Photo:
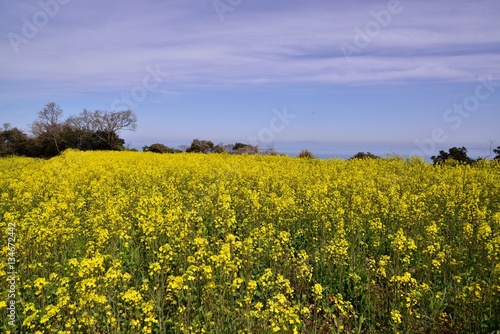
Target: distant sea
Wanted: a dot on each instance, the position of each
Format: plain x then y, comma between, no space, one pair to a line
345,151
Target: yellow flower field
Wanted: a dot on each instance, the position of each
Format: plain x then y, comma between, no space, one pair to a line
128,242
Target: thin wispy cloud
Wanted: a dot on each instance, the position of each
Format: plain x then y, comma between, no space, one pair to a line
299,44
101,47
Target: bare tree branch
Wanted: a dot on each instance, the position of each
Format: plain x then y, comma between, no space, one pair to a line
49,122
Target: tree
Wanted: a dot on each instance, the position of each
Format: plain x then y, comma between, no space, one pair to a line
305,154
220,148
90,130
497,152
454,153
48,127
107,125
200,146
80,130
363,155
113,121
99,129
12,141
238,145
159,148
240,148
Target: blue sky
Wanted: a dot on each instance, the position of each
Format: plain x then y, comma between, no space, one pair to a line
267,72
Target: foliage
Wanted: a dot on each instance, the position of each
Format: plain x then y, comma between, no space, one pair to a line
305,154
207,146
97,130
454,154
48,126
363,155
240,148
159,148
200,146
12,141
497,152
124,242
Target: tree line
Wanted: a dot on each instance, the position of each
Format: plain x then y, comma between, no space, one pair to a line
99,130
52,134
207,146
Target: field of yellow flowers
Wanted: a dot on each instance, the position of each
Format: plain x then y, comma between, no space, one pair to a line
129,242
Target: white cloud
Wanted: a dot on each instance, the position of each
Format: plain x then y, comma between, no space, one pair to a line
101,45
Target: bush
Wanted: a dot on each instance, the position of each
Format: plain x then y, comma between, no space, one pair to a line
159,148
459,155
200,146
363,155
240,148
306,154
